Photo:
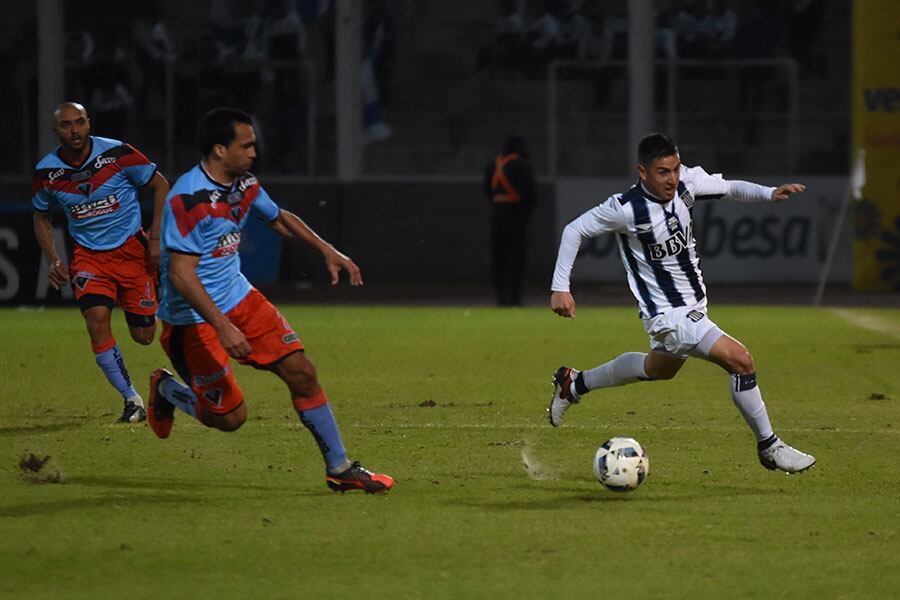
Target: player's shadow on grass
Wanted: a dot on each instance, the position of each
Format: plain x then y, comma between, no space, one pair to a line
569,499
132,492
46,509
46,428
546,497
867,348
113,482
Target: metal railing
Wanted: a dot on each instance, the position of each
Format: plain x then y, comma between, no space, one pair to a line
672,67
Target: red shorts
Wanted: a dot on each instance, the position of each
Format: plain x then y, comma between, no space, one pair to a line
121,274
200,359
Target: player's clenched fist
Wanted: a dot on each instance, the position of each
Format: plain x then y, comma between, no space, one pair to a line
563,304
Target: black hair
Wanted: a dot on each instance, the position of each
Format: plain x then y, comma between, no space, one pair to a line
653,146
217,127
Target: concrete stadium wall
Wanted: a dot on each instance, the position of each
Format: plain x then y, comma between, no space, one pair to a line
410,231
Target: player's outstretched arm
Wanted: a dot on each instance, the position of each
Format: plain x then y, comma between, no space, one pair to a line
783,192
43,231
160,187
563,304
183,274
290,226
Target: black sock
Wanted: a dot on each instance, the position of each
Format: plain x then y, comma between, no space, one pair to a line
766,443
580,387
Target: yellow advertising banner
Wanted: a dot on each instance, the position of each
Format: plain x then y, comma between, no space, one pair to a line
876,131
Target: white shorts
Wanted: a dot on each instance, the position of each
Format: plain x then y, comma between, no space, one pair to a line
683,332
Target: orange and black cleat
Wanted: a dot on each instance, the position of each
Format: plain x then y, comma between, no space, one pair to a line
160,412
357,478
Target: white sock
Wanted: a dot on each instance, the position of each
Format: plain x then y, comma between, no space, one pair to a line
135,400
178,394
748,399
623,369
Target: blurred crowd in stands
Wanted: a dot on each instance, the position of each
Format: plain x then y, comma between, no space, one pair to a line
252,54
528,35
268,57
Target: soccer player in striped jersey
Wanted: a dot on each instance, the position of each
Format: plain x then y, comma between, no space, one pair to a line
653,229
210,312
95,181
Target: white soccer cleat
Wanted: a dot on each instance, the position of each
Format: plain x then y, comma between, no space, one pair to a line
781,456
562,395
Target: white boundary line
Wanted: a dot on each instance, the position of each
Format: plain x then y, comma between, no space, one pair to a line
868,322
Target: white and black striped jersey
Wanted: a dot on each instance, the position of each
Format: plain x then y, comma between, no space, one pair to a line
655,238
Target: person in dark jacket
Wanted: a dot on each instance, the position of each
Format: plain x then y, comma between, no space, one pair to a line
510,188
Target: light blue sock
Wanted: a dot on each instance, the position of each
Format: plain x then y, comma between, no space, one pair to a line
179,394
112,363
321,423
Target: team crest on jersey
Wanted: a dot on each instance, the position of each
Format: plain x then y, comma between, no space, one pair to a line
687,198
214,396
289,338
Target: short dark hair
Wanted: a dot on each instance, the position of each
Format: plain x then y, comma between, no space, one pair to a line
217,127
653,146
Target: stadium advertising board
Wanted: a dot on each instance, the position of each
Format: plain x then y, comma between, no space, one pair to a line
738,242
23,271
876,129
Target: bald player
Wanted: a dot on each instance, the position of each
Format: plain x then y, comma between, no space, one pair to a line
95,181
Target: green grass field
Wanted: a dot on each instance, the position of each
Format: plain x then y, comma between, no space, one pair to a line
451,402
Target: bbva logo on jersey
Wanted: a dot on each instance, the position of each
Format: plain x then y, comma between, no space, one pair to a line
673,245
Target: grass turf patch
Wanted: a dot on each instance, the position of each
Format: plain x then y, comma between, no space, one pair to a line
451,401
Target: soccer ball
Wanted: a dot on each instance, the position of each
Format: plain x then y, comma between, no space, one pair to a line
620,464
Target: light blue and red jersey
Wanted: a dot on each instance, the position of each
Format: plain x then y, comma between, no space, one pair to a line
99,196
204,218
